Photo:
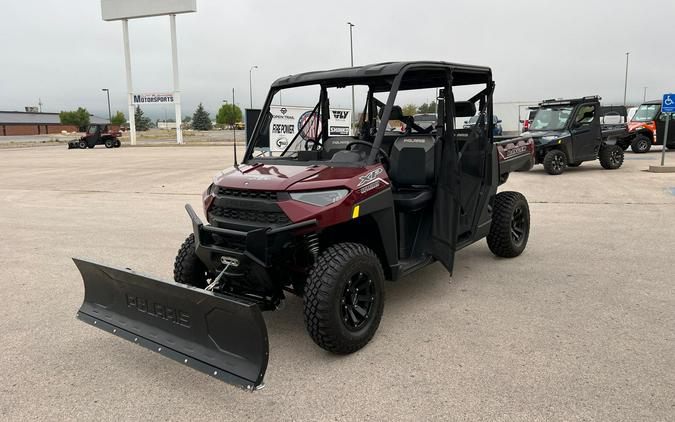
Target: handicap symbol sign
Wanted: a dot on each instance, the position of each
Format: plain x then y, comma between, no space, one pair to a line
668,103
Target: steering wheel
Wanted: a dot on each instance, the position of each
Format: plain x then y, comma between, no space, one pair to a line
381,153
316,143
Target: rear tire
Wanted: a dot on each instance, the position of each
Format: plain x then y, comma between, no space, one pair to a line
555,162
344,298
82,144
641,144
109,143
187,268
117,143
611,157
510,228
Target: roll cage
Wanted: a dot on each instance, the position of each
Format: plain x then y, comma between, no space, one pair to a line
387,77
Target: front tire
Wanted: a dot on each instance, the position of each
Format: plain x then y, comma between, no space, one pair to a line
641,144
117,143
187,268
510,228
555,162
611,157
82,144
109,143
344,298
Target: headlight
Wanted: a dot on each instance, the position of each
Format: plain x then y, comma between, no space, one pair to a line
320,198
549,138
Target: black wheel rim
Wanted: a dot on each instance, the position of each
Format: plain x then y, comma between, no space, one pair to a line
614,156
557,162
358,298
518,225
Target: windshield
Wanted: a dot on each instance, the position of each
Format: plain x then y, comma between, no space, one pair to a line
551,118
316,123
646,113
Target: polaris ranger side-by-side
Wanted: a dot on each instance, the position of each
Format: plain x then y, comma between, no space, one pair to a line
328,219
569,132
649,126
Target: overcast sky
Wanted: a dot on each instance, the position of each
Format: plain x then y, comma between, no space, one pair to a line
62,52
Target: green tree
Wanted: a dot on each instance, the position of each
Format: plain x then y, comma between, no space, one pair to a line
409,110
78,118
432,107
424,108
201,119
118,119
142,122
228,114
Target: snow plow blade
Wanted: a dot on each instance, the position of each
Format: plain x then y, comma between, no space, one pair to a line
222,336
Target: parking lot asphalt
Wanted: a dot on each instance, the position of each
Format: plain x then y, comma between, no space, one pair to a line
580,327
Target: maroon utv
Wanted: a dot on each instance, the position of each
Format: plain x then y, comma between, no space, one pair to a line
326,217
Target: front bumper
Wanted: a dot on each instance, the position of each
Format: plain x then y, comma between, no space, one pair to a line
216,246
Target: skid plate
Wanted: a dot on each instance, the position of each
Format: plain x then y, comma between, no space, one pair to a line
222,336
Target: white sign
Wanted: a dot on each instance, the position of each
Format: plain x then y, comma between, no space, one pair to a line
113,10
153,98
287,121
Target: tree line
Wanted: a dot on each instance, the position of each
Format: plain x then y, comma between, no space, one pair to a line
228,114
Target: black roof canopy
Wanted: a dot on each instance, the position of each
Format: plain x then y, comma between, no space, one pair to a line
419,75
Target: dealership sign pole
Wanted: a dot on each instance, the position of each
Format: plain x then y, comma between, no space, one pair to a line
112,10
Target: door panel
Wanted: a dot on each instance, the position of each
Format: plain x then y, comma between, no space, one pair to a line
585,137
661,129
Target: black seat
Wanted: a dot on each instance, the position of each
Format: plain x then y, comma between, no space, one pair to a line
412,171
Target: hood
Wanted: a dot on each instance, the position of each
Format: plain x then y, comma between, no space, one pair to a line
543,137
272,177
632,126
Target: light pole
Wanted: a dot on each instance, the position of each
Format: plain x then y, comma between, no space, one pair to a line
250,83
351,50
107,91
644,95
625,83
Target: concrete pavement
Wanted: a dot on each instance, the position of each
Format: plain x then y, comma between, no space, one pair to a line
580,327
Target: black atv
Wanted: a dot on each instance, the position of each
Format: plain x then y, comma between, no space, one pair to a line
568,132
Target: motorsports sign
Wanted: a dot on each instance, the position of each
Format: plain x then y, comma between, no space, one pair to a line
287,121
153,98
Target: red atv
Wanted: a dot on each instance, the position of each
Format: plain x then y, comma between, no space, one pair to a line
97,134
328,219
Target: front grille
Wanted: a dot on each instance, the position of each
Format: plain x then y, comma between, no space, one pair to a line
233,243
248,215
248,194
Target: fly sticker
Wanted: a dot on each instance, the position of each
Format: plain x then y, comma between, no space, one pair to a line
370,177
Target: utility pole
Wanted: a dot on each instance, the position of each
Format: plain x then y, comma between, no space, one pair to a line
250,84
40,104
107,91
625,83
234,125
644,95
351,50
